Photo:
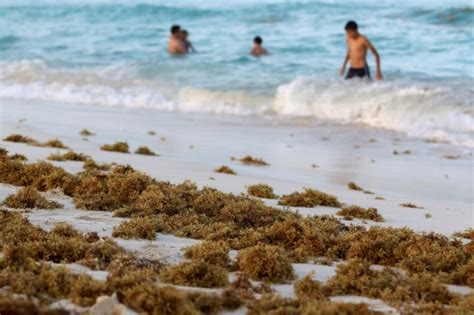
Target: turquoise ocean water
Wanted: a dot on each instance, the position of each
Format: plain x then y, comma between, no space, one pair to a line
113,53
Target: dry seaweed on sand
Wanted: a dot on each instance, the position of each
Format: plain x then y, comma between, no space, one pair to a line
307,289
54,143
360,213
266,262
379,198
30,198
464,275
309,198
86,133
197,273
405,152
354,186
90,164
151,132
273,304
144,150
18,157
150,299
20,139
68,156
119,146
318,307
137,227
261,191
225,169
249,160
410,205
216,253
358,278
468,233
49,283
205,303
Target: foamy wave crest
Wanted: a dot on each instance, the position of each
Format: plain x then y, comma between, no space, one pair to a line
442,113
439,112
120,86
111,86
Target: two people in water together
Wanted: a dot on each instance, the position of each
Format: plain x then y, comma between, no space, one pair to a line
357,47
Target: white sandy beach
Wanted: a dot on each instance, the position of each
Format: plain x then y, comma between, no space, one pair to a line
191,146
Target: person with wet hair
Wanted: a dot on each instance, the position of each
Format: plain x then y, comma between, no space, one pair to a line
187,43
257,49
176,44
357,46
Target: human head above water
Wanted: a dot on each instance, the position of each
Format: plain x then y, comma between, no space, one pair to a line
258,40
175,29
185,34
351,29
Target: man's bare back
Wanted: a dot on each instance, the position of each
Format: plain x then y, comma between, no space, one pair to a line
357,46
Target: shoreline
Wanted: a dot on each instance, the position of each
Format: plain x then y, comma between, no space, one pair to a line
191,146
290,150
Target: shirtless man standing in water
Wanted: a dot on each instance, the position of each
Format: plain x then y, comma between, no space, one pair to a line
357,45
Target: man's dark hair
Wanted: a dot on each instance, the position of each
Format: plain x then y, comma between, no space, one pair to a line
351,25
175,29
258,40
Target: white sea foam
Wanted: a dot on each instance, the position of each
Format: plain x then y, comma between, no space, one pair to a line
444,113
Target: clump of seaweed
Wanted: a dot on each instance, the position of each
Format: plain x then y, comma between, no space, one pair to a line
307,289
464,275
356,277
418,253
205,303
468,233
21,240
265,262
18,157
309,198
197,273
216,253
30,198
354,186
90,164
225,169
86,133
137,227
116,147
261,191
301,238
249,160
151,299
406,152
410,205
52,283
68,156
144,150
360,213
54,143
20,139
273,304
152,132
317,307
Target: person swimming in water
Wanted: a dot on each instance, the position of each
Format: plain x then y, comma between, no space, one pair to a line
187,43
357,46
176,44
257,49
